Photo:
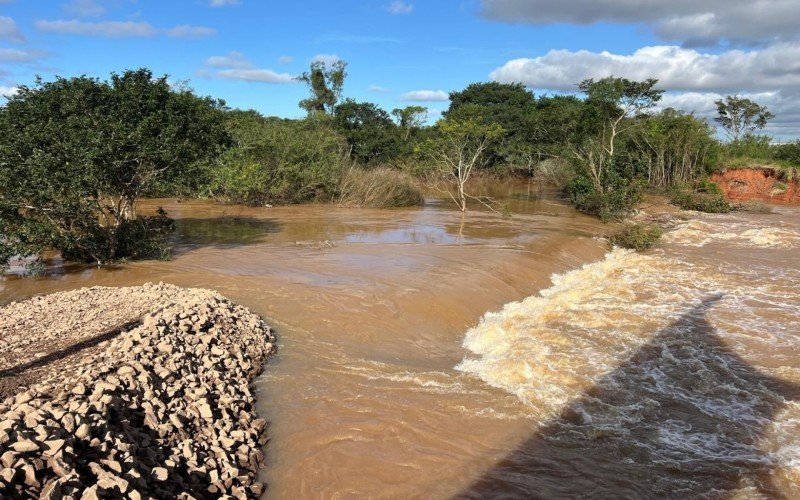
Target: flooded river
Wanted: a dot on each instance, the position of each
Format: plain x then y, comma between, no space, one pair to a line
412,365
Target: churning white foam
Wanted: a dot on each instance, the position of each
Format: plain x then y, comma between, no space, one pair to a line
554,350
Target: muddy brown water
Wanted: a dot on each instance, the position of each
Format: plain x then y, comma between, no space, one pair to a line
426,355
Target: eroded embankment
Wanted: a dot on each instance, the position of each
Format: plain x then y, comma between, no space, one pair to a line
140,391
757,184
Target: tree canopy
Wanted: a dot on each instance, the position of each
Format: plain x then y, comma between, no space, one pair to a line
76,153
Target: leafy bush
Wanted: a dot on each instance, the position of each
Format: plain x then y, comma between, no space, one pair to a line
278,161
618,197
381,187
636,236
713,203
76,154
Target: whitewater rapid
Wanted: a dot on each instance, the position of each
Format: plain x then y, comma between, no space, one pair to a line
684,359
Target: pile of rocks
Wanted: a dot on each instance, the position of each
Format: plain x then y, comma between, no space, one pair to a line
162,409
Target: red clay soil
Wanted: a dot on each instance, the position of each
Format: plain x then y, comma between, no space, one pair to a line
756,184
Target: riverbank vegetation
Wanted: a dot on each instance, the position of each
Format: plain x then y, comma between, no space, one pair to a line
77,153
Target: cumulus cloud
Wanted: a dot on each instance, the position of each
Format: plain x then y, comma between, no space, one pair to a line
399,7
693,22
120,29
676,68
235,66
84,8
377,89
10,31
425,95
223,3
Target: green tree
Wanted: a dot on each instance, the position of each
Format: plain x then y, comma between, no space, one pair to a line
740,117
371,133
613,105
611,101
457,149
75,154
275,160
410,118
325,83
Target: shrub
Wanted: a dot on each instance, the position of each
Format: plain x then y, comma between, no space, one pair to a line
637,236
713,203
277,161
75,155
381,187
618,198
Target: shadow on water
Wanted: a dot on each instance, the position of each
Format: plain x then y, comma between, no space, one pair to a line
223,231
682,418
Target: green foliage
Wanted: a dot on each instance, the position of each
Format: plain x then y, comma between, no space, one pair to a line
75,154
705,197
371,133
740,117
618,197
410,118
278,161
380,187
325,84
669,148
789,153
750,146
637,237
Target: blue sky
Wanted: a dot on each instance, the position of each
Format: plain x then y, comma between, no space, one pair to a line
246,51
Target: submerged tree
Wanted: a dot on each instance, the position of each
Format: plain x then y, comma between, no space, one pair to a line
325,81
457,149
75,154
740,116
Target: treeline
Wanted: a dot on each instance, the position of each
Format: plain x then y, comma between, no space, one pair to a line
76,154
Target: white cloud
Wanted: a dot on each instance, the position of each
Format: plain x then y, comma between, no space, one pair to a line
286,59
187,31
235,66
377,89
694,22
8,91
108,29
676,68
19,55
223,3
84,8
425,95
256,75
326,59
399,7
233,59
120,29
10,31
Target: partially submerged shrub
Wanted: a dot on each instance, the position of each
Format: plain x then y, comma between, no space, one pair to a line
637,236
278,161
381,187
706,196
618,198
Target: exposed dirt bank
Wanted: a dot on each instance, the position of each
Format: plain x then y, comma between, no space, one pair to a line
140,391
756,184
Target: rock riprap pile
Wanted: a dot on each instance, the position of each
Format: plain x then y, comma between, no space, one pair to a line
140,392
